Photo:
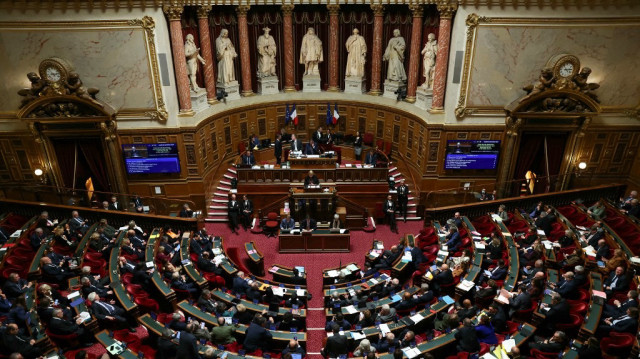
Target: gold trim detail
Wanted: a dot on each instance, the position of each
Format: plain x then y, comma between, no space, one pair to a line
473,21
287,10
173,12
242,10
416,10
203,11
378,10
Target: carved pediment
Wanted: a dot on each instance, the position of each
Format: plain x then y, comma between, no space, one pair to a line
64,106
566,102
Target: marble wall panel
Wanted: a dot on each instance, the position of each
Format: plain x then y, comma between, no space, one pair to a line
509,56
114,60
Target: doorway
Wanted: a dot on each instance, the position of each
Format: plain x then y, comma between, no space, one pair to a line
540,158
80,159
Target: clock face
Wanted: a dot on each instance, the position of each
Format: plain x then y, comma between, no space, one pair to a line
53,74
566,69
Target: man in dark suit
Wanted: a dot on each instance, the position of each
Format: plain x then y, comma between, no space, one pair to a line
453,239
389,209
233,211
520,301
406,303
466,337
619,308
566,287
166,349
444,277
36,238
205,302
558,312
312,148
186,212
317,136
205,264
308,224
247,210
388,258
311,179
257,336
468,310
240,285
179,282
544,223
77,223
294,348
16,343
277,149
626,323
498,317
596,233
15,286
403,199
115,205
424,295
58,325
52,271
288,223
187,343
336,345
500,271
616,282
296,144
88,288
602,251
109,312
371,158
248,159
555,344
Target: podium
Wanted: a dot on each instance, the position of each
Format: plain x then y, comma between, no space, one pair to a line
319,203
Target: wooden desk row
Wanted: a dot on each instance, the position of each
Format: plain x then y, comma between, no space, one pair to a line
514,258
190,269
377,303
320,240
116,283
254,307
342,174
150,257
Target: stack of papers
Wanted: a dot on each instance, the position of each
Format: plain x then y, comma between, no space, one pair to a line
504,296
496,218
300,292
352,267
357,335
384,329
278,291
84,316
540,232
417,318
351,309
411,352
333,273
273,269
217,251
16,234
466,285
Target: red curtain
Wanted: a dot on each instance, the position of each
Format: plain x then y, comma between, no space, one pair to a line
94,157
65,155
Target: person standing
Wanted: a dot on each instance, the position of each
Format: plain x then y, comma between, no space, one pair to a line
277,149
390,213
403,199
247,210
233,211
357,146
296,144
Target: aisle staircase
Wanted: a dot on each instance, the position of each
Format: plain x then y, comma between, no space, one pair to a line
217,210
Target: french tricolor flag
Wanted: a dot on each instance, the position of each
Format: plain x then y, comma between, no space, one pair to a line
294,115
336,115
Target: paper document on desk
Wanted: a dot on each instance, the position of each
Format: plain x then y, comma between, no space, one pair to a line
73,295
357,335
217,251
411,352
300,292
416,318
480,245
313,156
333,273
342,230
540,232
442,253
496,218
466,285
508,344
352,267
278,291
351,309
384,329
84,316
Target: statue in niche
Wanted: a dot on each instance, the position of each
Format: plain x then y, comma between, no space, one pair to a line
429,60
266,54
192,54
357,49
225,53
311,53
394,54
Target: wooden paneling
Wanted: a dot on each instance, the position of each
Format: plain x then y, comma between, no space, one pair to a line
20,155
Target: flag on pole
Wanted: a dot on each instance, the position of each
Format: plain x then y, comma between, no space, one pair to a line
329,116
287,115
294,115
336,115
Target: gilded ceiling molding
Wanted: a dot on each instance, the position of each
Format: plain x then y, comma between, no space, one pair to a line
203,11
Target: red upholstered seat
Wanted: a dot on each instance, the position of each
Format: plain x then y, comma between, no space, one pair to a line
572,325
367,138
271,225
64,341
577,307
617,343
147,304
543,355
371,227
525,314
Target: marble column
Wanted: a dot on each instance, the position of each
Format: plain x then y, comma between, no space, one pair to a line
179,59
207,55
376,51
289,63
414,53
442,59
334,13
245,56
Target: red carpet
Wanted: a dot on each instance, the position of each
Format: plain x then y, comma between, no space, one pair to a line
313,263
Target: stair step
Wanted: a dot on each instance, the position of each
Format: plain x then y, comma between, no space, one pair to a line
220,200
222,188
229,176
221,194
409,218
216,220
225,214
225,183
232,170
217,207
393,169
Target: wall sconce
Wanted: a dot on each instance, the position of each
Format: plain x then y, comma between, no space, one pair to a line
582,165
38,172
40,175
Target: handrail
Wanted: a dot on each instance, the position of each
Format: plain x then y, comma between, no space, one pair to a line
214,171
271,206
353,203
413,180
78,197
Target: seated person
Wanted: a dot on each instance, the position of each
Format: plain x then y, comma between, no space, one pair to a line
248,159
597,211
372,157
616,282
386,314
257,336
468,310
58,325
294,348
308,224
467,338
619,308
287,223
77,223
602,251
53,271
632,208
242,315
186,212
13,342
254,142
240,285
498,317
36,238
557,312
555,344
311,179
205,264
453,239
340,321
626,323
567,287
110,312
88,288
406,303
179,282
206,302
223,333
500,271
485,332
386,342
520,301
444,277
312,148
337,344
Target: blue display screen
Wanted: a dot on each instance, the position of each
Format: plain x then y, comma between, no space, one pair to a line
472,154
151,158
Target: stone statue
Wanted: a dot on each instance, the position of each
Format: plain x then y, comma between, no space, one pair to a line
357,49
394,54
311,53
29,94
429,60
580,83
225,53
75,86
193,56
266,54
544,82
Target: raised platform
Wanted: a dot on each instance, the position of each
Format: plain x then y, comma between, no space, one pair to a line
320,240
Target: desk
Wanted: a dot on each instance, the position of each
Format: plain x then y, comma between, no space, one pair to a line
256,260
320,240
156,278
333,174
106,340
114,277
310,163
514,258
592,320
194,274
